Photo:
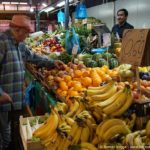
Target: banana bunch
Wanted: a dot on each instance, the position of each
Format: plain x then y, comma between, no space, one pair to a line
73,108
135,140
61,108
107,93
98,90
47,132
118,103
110,128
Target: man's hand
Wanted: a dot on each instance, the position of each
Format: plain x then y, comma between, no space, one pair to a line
5,98
59,64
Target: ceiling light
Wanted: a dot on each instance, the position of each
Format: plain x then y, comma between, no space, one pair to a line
49,9
44,4
61,4
31,9
14,3
70,0
23,3
5,2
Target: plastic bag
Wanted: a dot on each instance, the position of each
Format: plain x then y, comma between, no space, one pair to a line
72,39
61,16
81,12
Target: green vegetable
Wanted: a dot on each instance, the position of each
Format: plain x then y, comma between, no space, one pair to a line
34,139
83,57
91,63
65,57
107,55
113,63
102,62
53,56
96,57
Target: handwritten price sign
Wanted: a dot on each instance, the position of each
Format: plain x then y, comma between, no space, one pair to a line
133,46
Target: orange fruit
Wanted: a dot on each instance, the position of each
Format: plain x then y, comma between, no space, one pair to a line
77,73
86,73
73,93
77,87
63,86
58,91
67,78
87,81
63,93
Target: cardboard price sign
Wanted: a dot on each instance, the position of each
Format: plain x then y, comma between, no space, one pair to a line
135,46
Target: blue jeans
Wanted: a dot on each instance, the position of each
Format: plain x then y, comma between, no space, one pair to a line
5,130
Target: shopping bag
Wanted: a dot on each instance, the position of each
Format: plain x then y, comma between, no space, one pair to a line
72,39
61,17
81,12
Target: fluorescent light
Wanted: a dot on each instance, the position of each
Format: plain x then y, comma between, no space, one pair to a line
49,9
23,3
31,9
44,4
14,3
61,4
70,0
5,2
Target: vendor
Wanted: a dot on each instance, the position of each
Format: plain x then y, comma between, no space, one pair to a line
122,15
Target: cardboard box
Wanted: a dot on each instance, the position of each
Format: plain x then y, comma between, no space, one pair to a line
135,48
28,144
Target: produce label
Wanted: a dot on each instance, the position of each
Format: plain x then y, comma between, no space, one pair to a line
106,39
84,21
133,46
89,26
75,49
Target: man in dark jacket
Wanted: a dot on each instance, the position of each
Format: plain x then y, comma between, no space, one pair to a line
122,15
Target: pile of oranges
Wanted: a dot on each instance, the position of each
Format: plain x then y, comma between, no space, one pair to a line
77,81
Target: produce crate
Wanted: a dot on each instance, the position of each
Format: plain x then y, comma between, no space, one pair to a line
29,144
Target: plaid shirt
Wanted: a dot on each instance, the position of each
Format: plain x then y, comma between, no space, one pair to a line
12,56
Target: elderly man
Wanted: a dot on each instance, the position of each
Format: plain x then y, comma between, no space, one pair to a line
12,55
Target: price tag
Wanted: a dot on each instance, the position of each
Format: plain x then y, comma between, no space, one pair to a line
106,39
84,21
76,20
89,26
133,46
75,49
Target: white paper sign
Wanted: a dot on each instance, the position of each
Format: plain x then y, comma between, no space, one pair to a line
106,39
75,49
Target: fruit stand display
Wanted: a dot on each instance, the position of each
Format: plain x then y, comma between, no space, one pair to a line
89,116
99,104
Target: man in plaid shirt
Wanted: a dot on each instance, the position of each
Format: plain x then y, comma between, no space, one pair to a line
12,55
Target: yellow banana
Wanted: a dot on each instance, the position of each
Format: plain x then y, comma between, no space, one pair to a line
49,127
88,146
127,104
69,120
109,100
73,131
120,100
94,91
95,140
73,109
138,143
114,130
129,139
85,134
106,95
77,136
101,87
148,128
105,125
